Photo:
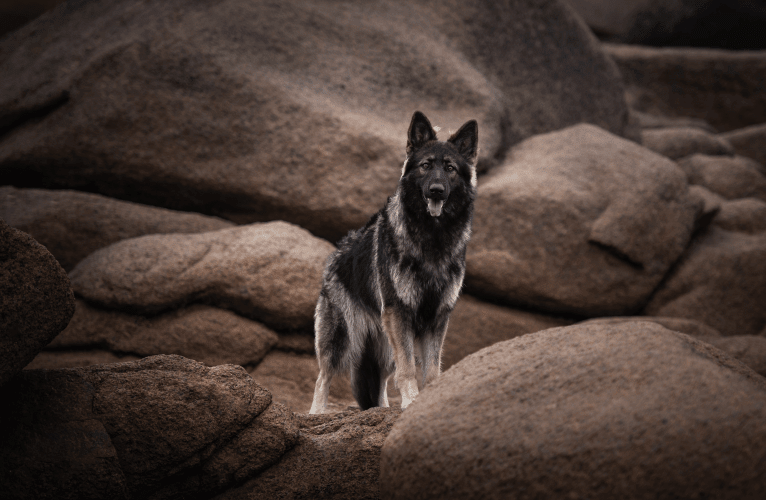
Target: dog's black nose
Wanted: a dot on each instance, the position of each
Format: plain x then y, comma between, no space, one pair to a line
436,189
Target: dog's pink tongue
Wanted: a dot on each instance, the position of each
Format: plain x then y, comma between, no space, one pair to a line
435,207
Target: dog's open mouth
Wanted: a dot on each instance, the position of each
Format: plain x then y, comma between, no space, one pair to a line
435,207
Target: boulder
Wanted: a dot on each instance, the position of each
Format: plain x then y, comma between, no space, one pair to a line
475,324
587,411
36,300
579,221
688,326
73,358
720,280
290,377
677,142
337,456
162,427
207,334
731,24
749,349
72,224
730,177
746,215
268,272
649,121
724,88
255,111
749,142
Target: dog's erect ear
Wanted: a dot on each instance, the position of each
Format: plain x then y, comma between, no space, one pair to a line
467,141
420,132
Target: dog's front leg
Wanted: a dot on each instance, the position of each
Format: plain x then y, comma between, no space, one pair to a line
400,336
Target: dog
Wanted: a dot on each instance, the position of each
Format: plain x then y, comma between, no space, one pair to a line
389,288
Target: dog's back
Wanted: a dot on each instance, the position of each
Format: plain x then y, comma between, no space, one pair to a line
388,289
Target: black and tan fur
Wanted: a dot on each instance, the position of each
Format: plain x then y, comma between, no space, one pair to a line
389,288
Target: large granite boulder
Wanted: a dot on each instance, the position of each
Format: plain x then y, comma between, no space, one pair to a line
720,280
269,272
207,334
579,221
730,177
36,300
749,141
677,142
72,224
588,411
163,427
337,456
295,111
724,88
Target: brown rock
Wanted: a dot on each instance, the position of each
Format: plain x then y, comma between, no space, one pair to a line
724,88
579,221
72,225
290,377
734,177
746,215
711,206
36,301
749,141
678,142
338,457
207,334
721,281
749,349
55,360
683,325
256,111
162,427
596,411
649,121
475,324
268,272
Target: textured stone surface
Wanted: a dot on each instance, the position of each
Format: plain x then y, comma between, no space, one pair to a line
749,141
475,324
162,427
749,349
73,358
269,272
595,411
746,215
202,333
36,300
730,177
724,88
683,325
337,456
72,224
295,111
579,221
677,142
721,281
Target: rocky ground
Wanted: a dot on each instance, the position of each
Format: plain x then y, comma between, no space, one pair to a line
174,174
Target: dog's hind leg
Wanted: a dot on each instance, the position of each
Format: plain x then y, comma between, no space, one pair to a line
431,351
321,392
400,336
331,345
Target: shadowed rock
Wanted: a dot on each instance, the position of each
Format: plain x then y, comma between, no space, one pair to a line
162,427
268,272
721,281
596,411
730,177
294,111
579,221
207,334
749,142
678,142
36,301
72,225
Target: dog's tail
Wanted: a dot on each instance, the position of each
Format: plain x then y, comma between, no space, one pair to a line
366,379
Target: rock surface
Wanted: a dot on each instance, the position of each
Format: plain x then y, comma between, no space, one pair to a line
255,111
587,411
683,325
746,215
72,224
579,221
749,142
730,177
268,272
749,349
724,88
337,456
721,281
207,334
677,142
36,300
162,427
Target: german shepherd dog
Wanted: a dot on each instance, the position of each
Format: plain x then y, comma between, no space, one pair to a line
389,288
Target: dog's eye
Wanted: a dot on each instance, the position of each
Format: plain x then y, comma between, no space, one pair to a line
450,168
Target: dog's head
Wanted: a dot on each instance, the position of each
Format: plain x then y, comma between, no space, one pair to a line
437,168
